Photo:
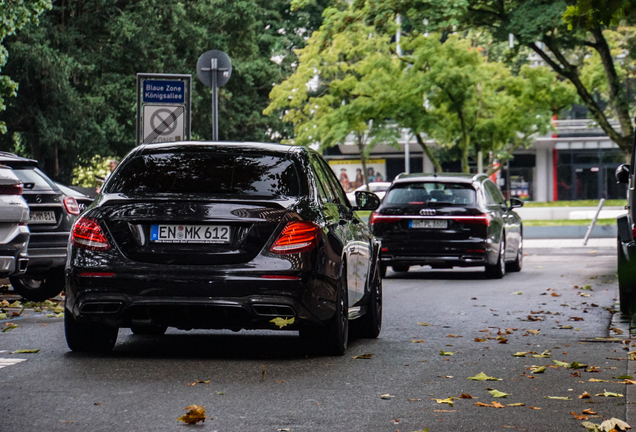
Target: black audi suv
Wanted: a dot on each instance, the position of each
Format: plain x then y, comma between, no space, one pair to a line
223,236
448,220
52,213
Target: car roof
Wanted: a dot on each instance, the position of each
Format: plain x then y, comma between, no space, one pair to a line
227,146
445,177
13,160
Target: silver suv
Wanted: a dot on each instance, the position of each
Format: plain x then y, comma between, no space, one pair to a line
14,232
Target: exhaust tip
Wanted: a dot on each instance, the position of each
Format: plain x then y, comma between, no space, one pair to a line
272,310
101,307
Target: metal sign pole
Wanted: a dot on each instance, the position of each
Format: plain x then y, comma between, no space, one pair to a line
215,99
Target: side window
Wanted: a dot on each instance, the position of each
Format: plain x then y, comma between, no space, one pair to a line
324,189
494,193
335,184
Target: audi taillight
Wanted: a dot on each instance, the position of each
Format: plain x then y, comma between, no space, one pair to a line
15,189
87,234
297,236
71,205
378,218
483,219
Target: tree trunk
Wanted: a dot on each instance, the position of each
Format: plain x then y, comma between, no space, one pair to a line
618,97
363,158
428,153
568,71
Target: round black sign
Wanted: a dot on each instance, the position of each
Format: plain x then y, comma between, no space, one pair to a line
223,68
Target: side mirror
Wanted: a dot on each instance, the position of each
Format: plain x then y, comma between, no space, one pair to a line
622,173
366,201
515,203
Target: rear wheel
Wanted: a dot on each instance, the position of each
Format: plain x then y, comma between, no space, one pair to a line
333,337
370,324
88,337
401,268
149,330
39,289
498,270
626,282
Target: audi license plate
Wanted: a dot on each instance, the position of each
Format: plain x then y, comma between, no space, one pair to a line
42,217
430,223
190,233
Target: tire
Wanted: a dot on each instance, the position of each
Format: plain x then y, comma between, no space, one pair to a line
626,282
401,268
517,264
370,324
42,288
88,337
149,330
498,270
333,337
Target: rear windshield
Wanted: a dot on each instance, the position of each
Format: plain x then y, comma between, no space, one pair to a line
426,193
206,174
34,179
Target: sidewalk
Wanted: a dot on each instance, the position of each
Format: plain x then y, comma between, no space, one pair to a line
569,243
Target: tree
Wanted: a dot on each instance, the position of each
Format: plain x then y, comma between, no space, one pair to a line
537,24
77,71
325,98
15,14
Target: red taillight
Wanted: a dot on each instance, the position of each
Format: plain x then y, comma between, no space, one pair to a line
297,236
377,218
11,189
474,220
96,274
71,205
280,277
634,231
87,234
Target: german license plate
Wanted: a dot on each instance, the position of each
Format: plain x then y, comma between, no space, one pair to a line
430,223
190,233
42,217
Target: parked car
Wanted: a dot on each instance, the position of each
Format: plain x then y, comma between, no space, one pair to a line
14,232
52,214
223,236
378,188
83,200
448,220
626,246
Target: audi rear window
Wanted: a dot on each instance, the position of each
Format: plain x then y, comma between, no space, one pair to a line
460,194
207,174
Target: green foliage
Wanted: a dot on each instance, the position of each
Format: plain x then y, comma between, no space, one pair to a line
77,71
592,13
85,175
15,14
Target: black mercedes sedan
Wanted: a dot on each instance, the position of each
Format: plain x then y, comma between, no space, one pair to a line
201,235
448,220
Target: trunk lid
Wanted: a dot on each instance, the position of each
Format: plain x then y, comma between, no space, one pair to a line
204,232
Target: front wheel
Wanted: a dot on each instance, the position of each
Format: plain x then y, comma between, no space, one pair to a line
517,264
626,281
370,324
498,270
88,337
41,288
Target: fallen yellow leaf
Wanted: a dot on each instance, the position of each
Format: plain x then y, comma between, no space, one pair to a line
194,415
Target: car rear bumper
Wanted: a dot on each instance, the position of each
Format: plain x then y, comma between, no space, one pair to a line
460,253
13,255
221,302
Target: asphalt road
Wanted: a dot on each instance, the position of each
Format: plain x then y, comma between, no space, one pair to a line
263,381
